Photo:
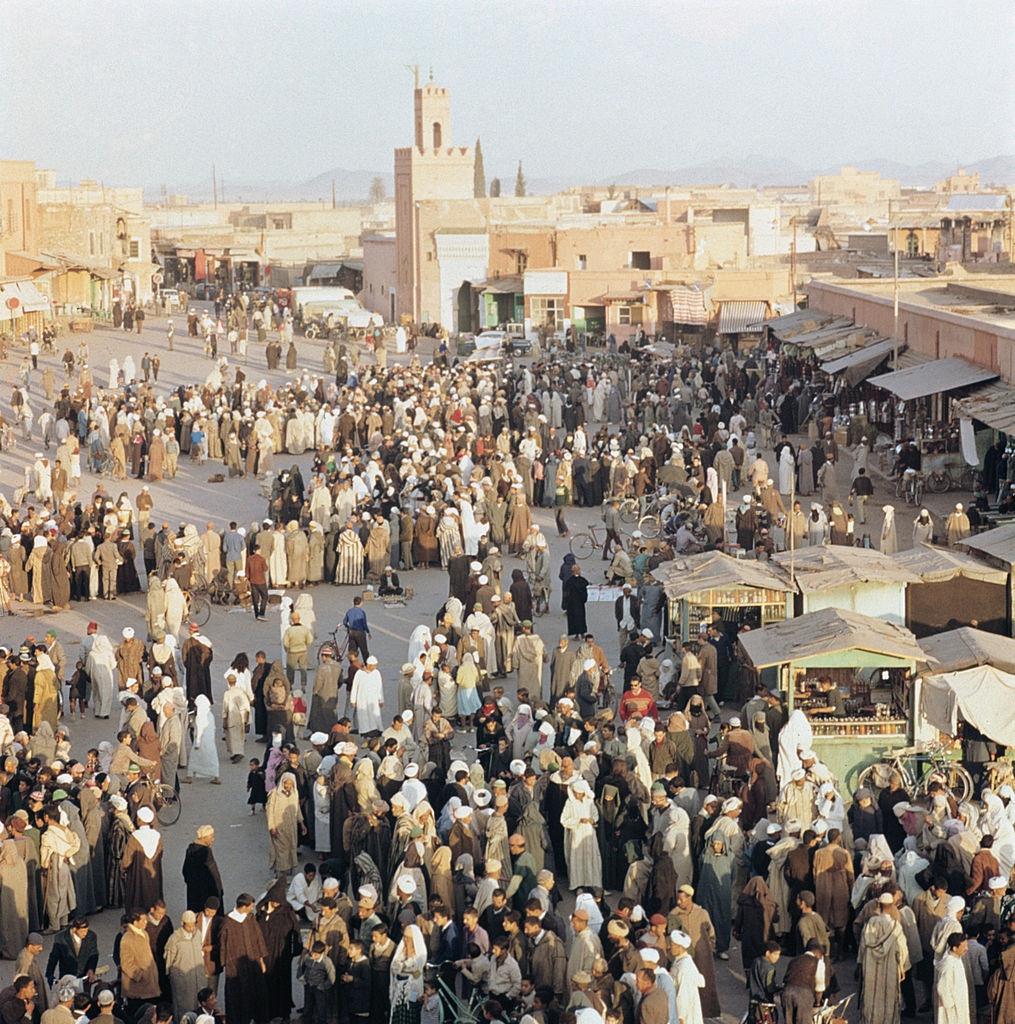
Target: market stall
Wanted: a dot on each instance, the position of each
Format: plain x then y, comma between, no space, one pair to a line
954,589
997,548
873,665
972,684
859,579
744,592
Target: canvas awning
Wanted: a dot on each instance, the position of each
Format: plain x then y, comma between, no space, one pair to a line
938,565
993,404
932,378
713,570
967,647
828,567
997,543
688,304
856,365
511,285
797,322
735,316
983,696
828,631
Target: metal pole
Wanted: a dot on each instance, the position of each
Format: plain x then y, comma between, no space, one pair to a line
792,264
895,292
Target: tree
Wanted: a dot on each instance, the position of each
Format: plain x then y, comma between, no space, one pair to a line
611,191
479,174
519,181
377,190
494,188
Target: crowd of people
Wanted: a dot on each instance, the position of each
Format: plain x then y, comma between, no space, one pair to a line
530,828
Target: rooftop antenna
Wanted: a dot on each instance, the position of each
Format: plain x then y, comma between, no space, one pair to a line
414,68
431,72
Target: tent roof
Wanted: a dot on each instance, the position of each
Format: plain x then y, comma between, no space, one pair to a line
713,570
998,543
967,647
932,378
983,696
830,566
937,565
993,404
826,632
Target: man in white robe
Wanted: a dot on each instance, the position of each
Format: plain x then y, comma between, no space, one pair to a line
367,698
687,980
951,988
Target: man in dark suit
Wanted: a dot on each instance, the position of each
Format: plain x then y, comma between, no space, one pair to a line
449,946
75,952
627,612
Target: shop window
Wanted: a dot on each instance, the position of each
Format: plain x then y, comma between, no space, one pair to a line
628,315
91,243
583,261
135,248
640,259
547,312
521,262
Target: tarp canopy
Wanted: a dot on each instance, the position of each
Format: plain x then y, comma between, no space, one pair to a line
983,696
998,543
797,322
932,378
690,304
938,565
714,570
967,647
828,631
734,316
855,366
993,404
829,566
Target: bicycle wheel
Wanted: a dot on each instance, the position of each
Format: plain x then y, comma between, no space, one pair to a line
649,526
938,481
875,777
968,479
582,545
200,609
955,777
629,510
169,806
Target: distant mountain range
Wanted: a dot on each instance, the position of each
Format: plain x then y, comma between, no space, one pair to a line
354,185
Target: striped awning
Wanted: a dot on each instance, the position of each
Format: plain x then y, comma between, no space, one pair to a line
734,316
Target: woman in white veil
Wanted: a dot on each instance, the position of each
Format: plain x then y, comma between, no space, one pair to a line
795,735
406,987
420,640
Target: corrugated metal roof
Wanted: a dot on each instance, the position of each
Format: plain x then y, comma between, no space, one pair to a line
734,316
826,334
976,203
826,632
797,322
931,378
938,565
967,647
714,570
835,565
998,543
993,404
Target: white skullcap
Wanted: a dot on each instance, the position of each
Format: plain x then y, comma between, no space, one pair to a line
145,814
463,812
647,633
475,566
732,804
118,802
406,885
368,892
997,882
482,797
589,663
773,828
407,715
440,638
885,898
483,579
330,883
128,633
735,722
798,775
411,771
679,938
955,904
808,755
371,660
649,955
317,739
517,766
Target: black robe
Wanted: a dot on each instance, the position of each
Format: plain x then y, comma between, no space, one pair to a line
242,947
280,929
201,875
142,876
197,663
575,593
116,842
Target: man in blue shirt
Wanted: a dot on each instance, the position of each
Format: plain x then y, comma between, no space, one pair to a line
233,545
355,622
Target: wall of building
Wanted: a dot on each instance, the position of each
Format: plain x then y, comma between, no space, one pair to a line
380,276
18,218
936,333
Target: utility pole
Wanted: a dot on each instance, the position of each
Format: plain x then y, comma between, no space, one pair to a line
792,261
333,204
895,291
214,188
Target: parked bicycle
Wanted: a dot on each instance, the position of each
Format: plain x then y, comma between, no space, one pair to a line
942,479
588,542
910,487
338,645
916,767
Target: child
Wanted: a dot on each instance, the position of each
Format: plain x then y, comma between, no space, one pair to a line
761,986
430,1011
317,973
299,712
473,969
356,984
78,687
256,791
976,957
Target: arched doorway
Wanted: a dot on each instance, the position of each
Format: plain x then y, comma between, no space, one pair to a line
467,309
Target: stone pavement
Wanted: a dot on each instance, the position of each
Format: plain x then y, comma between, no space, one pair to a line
241,843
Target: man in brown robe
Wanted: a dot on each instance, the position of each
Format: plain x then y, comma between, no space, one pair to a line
243,955
688,917
129,655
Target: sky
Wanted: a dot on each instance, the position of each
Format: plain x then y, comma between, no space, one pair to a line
146,93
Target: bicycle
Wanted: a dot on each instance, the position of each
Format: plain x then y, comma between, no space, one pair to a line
336,644
910,486
941,480
198,605
928,762
168,806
